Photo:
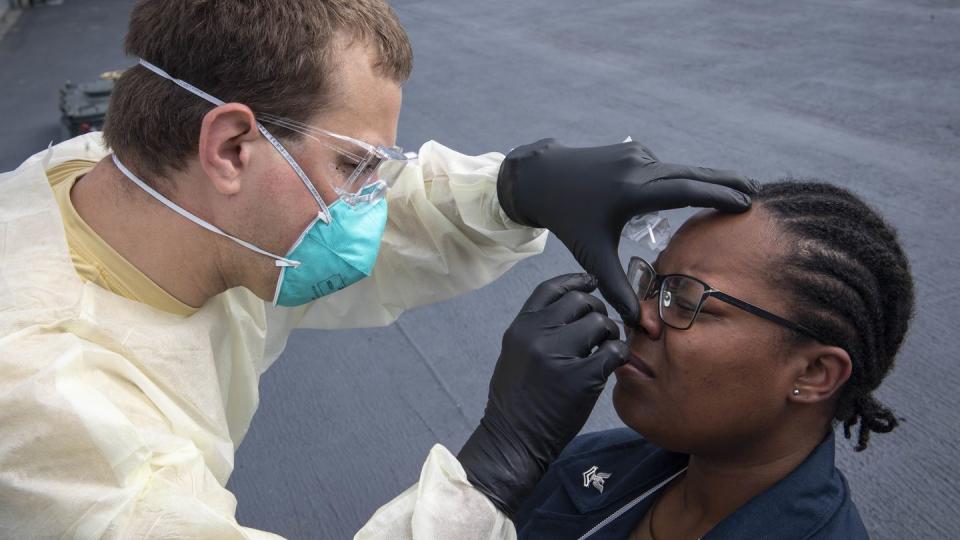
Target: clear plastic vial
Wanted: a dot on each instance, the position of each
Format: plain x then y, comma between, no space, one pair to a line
651,230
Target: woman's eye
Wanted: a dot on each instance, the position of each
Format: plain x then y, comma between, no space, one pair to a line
681,302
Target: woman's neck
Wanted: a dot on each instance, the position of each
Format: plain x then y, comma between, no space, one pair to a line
714,487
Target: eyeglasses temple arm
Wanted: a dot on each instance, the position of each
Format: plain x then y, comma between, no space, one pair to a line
760,312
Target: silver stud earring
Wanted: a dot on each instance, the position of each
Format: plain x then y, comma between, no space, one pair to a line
796,391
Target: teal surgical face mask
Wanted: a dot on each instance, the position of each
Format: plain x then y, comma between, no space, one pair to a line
339,247
333,255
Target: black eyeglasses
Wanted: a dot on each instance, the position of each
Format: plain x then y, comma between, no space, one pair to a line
682,297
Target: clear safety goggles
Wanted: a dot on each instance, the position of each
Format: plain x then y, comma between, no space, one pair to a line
362,172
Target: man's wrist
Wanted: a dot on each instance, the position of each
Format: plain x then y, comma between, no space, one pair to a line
499,468
506,193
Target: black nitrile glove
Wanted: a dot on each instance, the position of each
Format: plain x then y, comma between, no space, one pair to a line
586,195
546,382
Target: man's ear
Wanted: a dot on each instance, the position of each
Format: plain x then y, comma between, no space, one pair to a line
226,137
823,370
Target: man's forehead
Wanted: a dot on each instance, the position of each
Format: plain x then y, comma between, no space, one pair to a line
364,103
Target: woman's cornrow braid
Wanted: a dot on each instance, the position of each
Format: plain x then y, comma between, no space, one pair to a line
851,284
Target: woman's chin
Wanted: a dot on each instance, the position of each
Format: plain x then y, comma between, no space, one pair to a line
636,412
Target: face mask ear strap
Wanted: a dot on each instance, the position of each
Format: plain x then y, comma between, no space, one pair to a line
281,261
183,84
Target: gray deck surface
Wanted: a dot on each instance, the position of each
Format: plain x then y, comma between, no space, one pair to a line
863,93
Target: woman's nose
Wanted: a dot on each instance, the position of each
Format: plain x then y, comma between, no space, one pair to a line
650,321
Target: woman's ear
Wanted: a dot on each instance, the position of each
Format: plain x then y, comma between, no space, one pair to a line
823,371
226,137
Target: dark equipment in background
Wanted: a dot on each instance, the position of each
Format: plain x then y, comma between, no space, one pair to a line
84,105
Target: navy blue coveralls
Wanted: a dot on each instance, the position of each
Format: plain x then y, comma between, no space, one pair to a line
605,482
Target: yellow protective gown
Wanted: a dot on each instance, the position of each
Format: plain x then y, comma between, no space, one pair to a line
119,420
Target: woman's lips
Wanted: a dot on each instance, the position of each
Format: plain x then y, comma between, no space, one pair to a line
641,366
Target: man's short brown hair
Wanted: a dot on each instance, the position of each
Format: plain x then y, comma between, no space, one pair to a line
275,56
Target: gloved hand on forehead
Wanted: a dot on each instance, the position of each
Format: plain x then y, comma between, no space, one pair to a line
585,196
555,360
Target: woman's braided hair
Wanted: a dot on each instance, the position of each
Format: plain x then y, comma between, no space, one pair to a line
851,284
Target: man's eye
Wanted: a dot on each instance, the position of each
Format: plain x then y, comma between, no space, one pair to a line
347,166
